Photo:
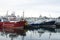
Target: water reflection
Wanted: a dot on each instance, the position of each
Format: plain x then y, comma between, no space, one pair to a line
12,33
26,34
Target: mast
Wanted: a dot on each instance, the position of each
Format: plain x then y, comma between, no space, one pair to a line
23,14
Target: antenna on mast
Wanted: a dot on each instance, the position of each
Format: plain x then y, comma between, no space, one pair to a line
50,15
7,13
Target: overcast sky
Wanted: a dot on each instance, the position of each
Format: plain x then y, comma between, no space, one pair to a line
32,8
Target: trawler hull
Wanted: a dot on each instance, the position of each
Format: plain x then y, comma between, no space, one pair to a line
14,25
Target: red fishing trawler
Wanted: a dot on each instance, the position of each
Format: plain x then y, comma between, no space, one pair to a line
11,21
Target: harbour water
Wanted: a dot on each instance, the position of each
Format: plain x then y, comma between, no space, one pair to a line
30,34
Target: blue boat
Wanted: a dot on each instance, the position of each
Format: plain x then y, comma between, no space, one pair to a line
44,23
